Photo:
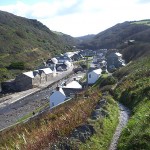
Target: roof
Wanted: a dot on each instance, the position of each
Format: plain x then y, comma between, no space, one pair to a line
118,54
54,60
67,63
58,94
46,70
97,71
31,74
69,54
73,85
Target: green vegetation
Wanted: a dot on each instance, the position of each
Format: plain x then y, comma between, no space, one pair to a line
104,127
116,36
17,65
4,74
50,126
134,92
38,110
28,41
103,80
145,22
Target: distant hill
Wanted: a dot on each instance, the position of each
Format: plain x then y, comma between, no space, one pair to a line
27,41
67,39
116,36
85,38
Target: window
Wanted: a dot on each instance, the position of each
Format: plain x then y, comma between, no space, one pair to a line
52,104
89,75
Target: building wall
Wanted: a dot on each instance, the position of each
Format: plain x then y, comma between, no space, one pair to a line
36,81
23,82
42,78
7,86
49,77
69,91
56,98
92,77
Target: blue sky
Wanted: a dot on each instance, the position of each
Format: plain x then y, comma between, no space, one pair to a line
79,17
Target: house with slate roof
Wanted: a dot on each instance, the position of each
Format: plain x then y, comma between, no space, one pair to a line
57,97
27,80
71,87
114,60
94,75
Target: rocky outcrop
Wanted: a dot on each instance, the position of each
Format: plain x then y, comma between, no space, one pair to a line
82,132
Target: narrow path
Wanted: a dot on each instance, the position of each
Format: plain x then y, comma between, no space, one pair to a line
123,119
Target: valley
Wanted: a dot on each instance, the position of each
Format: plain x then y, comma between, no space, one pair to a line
61,92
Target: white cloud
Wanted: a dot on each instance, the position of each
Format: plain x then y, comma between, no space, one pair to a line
80,17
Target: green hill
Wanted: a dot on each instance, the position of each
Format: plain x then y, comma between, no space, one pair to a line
133,89
27,41
134,92
118,34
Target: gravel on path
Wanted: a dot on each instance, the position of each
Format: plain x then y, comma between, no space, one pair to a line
123,119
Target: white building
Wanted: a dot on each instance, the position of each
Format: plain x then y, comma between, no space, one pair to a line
73,85
94,75
57,97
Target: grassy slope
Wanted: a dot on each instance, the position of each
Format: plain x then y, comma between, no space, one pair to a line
115,36
105,128
29,41
49,127
134,92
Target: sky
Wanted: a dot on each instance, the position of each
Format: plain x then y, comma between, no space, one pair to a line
79,17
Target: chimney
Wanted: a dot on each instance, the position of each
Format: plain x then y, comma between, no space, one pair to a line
65,83
57,88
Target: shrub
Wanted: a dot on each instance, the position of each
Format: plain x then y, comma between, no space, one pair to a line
17,65
110,80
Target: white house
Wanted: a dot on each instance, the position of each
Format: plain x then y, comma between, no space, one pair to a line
73,85
94,75
57,97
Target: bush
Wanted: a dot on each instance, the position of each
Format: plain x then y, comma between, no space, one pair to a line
17,65
110,80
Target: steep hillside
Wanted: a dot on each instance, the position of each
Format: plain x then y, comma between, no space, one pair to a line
67,39
85,38
118,34
27,41
134,91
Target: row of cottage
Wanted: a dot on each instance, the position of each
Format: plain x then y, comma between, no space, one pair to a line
65,91
35,78
101,62
101,59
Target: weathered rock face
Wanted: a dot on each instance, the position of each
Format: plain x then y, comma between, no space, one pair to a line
82,133
63,144
99,112
101,103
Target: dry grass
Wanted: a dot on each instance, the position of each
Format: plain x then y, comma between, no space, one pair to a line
50,126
